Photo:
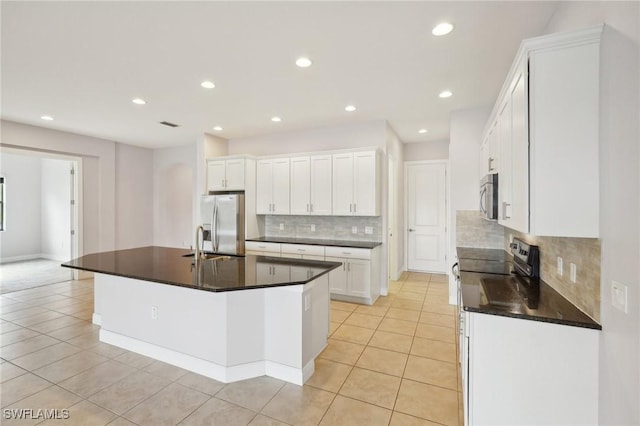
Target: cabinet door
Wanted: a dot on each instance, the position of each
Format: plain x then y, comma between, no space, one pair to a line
320,185
338,277
365,188
484,157
504,182
300,186
234,174
342,184
494,147
519,209
215,175
359,281
264,186
280,194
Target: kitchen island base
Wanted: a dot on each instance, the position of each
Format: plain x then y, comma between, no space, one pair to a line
227,336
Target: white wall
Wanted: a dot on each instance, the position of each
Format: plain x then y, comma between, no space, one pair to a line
358,135
422,151
55,209
620,197
174,196
21,240
464,152
134,196
98,173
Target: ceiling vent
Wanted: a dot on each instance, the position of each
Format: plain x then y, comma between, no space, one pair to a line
166,123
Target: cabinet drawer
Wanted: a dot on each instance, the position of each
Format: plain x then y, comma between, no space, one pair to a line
263,247
303,249
348,252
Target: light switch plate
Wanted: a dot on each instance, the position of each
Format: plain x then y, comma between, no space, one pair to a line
368,230
573,272
354,229
560,266
313,228
282,226
619,296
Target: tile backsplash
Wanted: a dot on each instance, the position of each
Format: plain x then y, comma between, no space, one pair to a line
329,227
584,252
472,230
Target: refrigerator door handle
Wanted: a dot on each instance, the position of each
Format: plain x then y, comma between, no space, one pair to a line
214,228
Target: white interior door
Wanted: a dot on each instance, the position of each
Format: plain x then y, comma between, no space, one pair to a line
426,217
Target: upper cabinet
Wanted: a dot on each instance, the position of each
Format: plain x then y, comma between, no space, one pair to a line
545,125
311,185
356,184
489,152
272,186
226,174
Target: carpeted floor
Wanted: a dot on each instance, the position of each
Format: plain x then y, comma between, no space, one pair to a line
31,273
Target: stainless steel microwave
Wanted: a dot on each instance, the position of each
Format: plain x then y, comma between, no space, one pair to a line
489,197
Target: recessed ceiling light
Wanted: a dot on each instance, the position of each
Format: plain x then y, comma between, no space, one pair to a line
217,128
422,131
445,94
303,62
46,117
207,84
350,108
442,28
276,119
139,101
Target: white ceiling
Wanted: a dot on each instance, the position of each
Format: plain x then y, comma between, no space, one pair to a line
83,62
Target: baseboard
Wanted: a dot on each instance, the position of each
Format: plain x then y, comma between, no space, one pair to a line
54,257
20,258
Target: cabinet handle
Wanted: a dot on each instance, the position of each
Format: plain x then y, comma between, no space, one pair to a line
311,205
307,208
350,208
301,250
222,183
490,162
346,252
504,210
349,267
344,266
354,207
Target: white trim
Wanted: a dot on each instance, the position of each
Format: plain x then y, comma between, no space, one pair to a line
96,319
20,258
445,162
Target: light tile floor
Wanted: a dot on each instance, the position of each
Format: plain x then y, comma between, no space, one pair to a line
393,363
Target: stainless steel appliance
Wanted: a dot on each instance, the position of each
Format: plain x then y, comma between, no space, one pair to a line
222,217
489,196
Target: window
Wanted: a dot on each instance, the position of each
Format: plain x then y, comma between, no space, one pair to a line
2,218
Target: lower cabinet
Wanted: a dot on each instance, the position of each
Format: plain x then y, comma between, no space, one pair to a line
357,280
524,372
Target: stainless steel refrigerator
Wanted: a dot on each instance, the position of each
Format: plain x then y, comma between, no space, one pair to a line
222,217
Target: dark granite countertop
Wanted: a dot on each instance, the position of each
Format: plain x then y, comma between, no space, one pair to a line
497,255
169,266
504,295
317,242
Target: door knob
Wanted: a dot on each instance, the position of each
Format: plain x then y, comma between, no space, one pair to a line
411,230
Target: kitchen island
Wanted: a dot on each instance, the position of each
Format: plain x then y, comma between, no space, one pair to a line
228,318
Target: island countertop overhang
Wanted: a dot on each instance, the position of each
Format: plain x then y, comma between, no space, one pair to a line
169,266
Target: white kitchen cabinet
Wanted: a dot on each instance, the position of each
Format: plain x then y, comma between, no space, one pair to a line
488,152
311,185
356,184
272,186
549,143
302,251
357,280
226,174
523,372
262,249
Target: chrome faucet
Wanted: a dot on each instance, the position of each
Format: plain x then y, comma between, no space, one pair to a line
197,255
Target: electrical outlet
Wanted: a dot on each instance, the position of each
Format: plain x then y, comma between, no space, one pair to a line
354,229
572,272
282,226
313,228
510,238
368,230
154,313
560,266
619,296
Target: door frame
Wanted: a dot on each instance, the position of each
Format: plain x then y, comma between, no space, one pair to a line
446,207
76,214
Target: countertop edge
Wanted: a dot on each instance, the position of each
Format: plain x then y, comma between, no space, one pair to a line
592,326
320,242
214,290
